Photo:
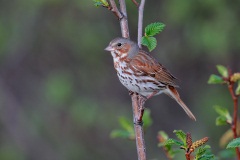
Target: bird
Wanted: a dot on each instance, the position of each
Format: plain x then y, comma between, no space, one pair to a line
141,73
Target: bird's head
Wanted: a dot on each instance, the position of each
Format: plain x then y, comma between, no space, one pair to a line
122,47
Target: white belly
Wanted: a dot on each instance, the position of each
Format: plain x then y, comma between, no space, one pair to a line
136,84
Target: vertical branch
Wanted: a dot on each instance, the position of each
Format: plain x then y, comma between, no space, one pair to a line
235,115
124,20
235,109
140,22
139,134
114,9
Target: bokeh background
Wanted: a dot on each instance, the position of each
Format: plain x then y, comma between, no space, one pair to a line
60,97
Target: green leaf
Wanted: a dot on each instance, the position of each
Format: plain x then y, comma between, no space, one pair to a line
214,79
222,111
224,117
105,3
180,135
154,28
206,157
150,42
147,120
126,124
221,120
234,143
204,153
222,70
97,3
237,91
171,142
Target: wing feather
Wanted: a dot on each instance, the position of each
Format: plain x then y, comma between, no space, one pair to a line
143,63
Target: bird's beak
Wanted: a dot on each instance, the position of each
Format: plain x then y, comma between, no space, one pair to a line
109,48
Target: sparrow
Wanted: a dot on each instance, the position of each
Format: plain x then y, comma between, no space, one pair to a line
141,73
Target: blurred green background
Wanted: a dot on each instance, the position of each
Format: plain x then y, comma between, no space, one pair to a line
59,94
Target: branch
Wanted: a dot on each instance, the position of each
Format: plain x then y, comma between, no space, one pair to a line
139,134
115,10
124,20
235,115
135,2
137,108
140,22
235,109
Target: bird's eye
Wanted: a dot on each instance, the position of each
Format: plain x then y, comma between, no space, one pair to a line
119,44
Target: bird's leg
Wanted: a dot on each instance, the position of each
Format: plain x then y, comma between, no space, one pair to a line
151,95
141,102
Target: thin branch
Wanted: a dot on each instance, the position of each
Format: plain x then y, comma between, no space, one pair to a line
140,22
135,2
114,9
139,134
235,109
235,115
124,20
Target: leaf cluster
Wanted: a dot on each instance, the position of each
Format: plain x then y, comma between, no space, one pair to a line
103,3
225,78
185,142
151,30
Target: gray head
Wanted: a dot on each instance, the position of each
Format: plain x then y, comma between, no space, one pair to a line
123,47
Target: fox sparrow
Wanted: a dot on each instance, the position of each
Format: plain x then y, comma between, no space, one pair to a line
139,72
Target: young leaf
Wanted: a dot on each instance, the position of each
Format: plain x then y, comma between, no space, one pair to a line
200,152
221,120
105,3
234,143
221,110
222,70
206,157
224,115
235,77
204,153
97,3
214,79
150,42
170,142
237,91
154,28
180,135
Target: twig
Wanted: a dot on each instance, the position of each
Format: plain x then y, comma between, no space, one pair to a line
235,111
114,9
140,22
235,115
135,2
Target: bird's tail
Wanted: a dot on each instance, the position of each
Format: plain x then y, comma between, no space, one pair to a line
173,93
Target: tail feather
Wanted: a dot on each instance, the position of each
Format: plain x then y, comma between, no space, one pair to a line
172,92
